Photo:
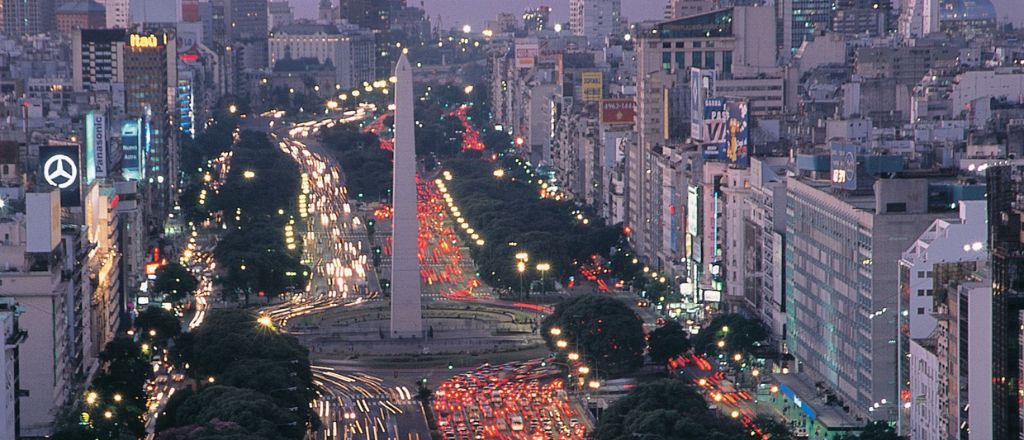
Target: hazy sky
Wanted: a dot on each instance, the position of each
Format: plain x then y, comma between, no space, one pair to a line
476,12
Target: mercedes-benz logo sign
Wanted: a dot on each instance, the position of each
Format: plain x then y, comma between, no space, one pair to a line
60,171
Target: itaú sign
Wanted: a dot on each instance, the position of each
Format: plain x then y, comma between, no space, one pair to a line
145,41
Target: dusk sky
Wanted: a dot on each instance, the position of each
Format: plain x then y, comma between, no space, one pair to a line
476,12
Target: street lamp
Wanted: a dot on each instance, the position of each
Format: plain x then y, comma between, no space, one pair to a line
584,369
594,384
543,268
561,343
574,356
91,397
265,321
249,174
555,331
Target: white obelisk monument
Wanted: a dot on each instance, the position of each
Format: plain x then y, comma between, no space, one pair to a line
406,307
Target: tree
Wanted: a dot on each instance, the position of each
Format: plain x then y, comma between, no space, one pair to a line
605,331
175,281
255,413
737,332
665,409
157,325
667,341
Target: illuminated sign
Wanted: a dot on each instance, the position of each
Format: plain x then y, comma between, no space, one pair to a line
526,53
60,170
593,86
844,166
95,146
618,111
146,41
131,145
726,130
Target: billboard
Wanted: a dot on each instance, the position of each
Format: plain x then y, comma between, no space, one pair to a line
727,131
95,146
844,166
526,53
618,111
702,87
132,144
61,168
593,86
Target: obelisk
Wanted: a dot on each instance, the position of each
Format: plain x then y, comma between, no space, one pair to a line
406,307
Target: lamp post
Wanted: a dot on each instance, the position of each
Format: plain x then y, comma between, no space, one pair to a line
543,268
521,259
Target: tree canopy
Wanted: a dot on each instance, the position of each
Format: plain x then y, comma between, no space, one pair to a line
665,409
175,281
667,341
738,332
604,331
162,323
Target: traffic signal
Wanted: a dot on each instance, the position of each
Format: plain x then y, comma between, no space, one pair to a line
451,366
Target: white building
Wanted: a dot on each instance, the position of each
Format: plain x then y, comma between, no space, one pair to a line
1000,83
11,336
350,50
919,18
119,13
962,239
924,384
595,19
42,278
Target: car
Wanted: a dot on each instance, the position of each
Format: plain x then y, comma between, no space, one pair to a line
517,423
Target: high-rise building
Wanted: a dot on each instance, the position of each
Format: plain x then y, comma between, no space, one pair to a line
44,275
279,14
684,8
536,19
862,17
1005,186
805,17
371,14
22,17
81,14
246,30
919,18
12,337
97,58
595,19
119,14
150,80
842,304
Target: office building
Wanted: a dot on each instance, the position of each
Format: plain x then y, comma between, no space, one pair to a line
97,58
279,14
118,12
150,79
1005,188
12,336
22,17
246,30
595,19
80,14
841,306
684,8
370,14
43,273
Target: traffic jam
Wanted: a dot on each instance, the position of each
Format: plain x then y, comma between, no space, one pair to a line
516,400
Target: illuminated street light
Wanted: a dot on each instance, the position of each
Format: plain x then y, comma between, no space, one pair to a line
594,384
117,397
721,344
467,29
562,343
332,105
725,329
584,369
555,331
774,389
108,414
574,356
468,89
211,379
737,357
249,174
734,414
499,173
702,382
523,256
755,372
91,397
232,109
152,333
265,321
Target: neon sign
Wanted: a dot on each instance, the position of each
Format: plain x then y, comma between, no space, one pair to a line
145,41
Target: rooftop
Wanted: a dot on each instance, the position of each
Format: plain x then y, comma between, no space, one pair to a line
81,6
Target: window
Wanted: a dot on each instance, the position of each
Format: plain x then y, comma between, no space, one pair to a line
920,310
896,207
680,60
709,60
696,44
666,61
727,62
695,59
